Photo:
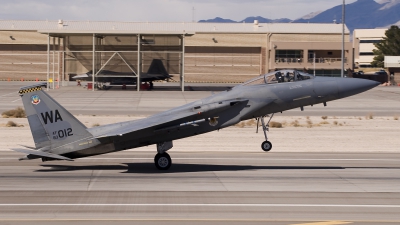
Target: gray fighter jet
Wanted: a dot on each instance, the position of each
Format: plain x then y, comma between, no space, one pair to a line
58,135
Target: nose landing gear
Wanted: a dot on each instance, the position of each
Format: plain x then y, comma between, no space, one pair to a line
266,145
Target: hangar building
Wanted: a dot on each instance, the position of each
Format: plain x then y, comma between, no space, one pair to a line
193,52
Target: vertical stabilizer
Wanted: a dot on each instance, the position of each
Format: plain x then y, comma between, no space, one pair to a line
157,67
52,126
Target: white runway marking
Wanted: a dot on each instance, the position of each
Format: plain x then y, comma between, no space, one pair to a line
93,180
9,94
394,160
204,204
16,100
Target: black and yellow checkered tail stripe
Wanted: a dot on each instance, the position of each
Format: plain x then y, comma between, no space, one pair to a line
32,88
27,90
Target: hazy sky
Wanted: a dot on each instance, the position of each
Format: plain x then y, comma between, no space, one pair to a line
159,10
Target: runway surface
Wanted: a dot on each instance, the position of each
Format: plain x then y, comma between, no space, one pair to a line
203,188
216,187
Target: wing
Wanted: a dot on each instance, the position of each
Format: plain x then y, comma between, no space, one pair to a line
185,116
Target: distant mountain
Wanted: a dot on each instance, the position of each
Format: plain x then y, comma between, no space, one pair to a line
362,14
247,20
264,20
217,20
310,15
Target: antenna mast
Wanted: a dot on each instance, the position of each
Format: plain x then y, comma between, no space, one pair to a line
193,10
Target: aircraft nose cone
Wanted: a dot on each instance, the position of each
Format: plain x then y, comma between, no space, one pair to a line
352,86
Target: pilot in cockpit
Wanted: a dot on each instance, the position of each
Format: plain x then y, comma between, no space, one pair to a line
288,76
285,77
279,77
298,76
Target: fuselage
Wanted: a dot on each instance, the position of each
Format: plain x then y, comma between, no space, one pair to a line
252,99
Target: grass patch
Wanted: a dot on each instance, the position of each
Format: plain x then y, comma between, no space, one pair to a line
275,124
396,117
335,122
370,116
241,124
14,113
251,123
246,123
95,125
13,124
324,122
309,124
295,123
324,117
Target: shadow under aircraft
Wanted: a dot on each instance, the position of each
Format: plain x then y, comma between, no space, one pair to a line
178,168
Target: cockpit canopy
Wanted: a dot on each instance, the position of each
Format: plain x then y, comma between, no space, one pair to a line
280,76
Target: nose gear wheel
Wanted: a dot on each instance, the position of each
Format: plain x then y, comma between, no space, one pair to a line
266,145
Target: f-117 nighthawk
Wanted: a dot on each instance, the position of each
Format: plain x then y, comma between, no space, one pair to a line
58,135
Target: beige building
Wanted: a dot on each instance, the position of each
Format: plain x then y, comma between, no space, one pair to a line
195,52
392,64
363,44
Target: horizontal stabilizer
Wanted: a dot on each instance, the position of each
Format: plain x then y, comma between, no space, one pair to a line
25,146
81,76
41,154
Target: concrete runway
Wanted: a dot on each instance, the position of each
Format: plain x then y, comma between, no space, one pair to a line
219,187
380,101
203,188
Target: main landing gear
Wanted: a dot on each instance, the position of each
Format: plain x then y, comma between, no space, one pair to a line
266,145
162,160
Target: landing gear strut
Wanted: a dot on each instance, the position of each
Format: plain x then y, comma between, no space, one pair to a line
162,160
266,145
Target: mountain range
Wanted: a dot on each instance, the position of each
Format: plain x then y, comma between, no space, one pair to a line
362,14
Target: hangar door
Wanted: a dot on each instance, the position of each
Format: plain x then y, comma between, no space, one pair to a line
222,64
24,62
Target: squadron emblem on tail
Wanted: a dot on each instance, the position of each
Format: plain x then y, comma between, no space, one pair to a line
35,99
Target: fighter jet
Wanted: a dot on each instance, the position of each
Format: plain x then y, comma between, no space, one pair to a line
58,135
155,72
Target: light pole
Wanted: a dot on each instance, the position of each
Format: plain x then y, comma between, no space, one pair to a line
343,11
314,63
